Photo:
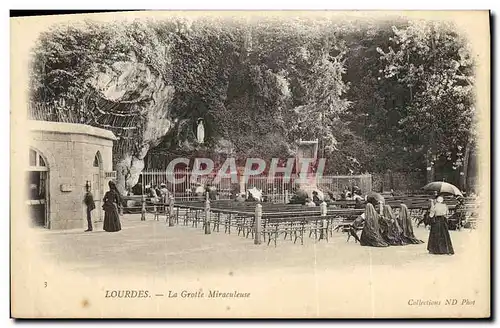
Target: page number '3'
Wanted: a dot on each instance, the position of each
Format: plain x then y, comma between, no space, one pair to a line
45,284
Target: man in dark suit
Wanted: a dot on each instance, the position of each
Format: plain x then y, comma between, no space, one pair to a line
89,202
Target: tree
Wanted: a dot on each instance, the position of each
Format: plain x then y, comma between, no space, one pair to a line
302,62
372,115
112,76
260,86
433,63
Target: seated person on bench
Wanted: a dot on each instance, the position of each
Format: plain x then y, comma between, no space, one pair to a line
356,226
316,199
310,203
405,224
357,194
240,197
359,203
390,228
370,236
457,220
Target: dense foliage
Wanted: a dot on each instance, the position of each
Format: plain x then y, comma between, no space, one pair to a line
368,92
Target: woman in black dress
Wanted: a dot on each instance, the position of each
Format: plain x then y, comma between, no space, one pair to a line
112,203
405,224
391,231
370,236
439,237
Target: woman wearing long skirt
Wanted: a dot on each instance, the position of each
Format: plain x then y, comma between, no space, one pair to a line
112,202
405,224
391,231
439,237
370,236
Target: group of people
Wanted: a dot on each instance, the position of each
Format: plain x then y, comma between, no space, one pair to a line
355,195
378,229
315,201
351,194
385,229
158,194
112,203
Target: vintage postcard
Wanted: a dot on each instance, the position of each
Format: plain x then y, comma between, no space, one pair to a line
251,164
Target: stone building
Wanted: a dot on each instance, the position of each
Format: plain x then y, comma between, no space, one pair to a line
64,158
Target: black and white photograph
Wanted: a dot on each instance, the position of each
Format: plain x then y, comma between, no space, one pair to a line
251,164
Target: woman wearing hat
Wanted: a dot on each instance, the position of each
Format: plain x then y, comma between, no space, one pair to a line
439,237
112,202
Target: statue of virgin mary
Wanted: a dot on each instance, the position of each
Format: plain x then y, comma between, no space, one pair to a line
200,131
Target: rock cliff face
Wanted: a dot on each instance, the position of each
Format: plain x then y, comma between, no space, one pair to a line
133,103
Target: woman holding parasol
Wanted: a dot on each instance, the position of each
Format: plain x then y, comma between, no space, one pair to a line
439,237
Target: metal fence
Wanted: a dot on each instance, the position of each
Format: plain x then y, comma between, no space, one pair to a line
185,185
274,188
337,183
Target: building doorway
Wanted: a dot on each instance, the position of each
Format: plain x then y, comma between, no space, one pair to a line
96,186
37,193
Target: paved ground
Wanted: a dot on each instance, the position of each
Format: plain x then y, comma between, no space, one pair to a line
149,246
335,278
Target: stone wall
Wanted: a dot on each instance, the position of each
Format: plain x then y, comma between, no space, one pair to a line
70,158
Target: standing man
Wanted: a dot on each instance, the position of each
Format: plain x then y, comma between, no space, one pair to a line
165,195
89,202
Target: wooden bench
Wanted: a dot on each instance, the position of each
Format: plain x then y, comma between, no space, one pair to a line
290,221
294,226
